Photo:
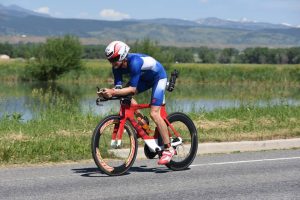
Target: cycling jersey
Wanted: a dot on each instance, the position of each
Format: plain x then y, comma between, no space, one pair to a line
145,73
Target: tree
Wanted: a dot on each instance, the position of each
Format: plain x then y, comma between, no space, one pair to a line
7,49
228,55
294,55
56,57
206,55
94,52
250,56
277,56
183,55
26,51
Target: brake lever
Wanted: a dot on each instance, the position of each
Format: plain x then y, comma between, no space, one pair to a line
100,99
98,102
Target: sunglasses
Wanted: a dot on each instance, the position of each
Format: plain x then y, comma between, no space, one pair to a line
115,59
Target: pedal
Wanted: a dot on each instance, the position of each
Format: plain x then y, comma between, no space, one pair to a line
176,141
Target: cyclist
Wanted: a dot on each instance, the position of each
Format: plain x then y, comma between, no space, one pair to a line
145,73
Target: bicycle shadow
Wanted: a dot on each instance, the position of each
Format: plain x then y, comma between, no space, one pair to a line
94,172
144,168
91,172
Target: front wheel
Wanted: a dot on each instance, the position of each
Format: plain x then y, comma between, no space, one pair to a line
113,159
186,151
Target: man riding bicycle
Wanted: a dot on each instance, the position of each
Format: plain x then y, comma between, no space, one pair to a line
145,73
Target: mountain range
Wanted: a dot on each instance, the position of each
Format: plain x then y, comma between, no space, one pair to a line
213,32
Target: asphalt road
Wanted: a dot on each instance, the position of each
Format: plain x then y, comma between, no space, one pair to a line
254,175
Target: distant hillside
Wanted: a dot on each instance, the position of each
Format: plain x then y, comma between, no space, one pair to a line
243,24
210,32
16,11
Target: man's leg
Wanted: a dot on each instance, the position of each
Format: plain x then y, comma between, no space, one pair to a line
157,100
163,130
160,123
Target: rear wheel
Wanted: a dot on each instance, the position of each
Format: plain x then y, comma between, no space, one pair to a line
113,159
186,151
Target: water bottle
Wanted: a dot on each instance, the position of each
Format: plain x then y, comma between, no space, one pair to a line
172,81
144,123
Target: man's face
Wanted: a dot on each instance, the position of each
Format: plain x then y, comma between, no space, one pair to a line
117,64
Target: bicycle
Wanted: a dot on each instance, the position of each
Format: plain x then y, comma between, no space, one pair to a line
115,138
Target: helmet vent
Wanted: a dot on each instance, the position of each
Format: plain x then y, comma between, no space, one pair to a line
108,54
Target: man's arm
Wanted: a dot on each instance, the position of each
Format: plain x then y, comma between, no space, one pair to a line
108,93
124,91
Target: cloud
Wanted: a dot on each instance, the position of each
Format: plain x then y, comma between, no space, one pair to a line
43,10
113,14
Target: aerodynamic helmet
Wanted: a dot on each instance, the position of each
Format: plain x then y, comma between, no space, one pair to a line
116,51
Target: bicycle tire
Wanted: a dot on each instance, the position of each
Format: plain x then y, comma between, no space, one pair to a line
105,156
183,119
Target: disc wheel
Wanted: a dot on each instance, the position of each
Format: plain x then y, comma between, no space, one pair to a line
186,151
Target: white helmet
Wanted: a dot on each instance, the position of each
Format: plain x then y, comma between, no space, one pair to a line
116,51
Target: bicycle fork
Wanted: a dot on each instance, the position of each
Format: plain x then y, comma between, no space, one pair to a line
116,139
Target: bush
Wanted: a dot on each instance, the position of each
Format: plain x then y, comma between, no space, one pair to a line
56,57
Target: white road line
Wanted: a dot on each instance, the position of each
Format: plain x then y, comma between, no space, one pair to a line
245,161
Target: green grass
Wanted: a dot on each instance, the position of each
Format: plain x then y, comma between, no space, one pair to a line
61,132
227,73
99,71
249,123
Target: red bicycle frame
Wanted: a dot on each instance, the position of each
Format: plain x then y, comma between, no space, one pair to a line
127,113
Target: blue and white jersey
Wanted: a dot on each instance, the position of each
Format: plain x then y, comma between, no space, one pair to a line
141,68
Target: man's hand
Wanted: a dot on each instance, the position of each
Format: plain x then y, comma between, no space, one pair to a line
100,92
108,93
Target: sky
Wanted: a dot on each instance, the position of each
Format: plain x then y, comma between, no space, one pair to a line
272,11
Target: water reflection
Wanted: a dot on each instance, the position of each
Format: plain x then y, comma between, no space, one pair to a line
12,105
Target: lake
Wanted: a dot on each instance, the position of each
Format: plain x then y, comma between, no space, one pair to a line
22,97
